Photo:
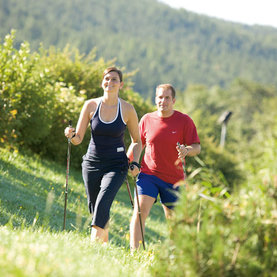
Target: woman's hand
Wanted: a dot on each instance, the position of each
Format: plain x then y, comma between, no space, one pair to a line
69,132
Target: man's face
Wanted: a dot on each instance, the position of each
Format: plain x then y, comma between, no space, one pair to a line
164,101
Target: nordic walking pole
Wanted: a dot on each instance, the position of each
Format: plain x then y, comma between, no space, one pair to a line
129,192
183,162
183,165
67,175
139,212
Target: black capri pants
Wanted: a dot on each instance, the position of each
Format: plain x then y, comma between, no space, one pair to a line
102,180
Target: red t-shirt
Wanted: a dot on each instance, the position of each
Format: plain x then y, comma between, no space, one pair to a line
160,136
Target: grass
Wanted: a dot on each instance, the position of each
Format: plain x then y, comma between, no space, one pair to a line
29,252
32,242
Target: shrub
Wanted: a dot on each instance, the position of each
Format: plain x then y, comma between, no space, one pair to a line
41,91
217,236
26,97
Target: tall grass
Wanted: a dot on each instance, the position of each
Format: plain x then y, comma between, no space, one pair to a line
221,234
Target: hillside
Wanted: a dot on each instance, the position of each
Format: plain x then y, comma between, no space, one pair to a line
163,44
32,194
32,242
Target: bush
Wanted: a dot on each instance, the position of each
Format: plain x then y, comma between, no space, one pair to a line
218,236
26,97
41,91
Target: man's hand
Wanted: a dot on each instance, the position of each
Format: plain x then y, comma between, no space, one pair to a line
134,168
182,151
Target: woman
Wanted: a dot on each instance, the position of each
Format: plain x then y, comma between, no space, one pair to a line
105,164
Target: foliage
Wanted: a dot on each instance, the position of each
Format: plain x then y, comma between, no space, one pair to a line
216,233
40,92
24,95
204,106
163,44
252,121
215,236
215,168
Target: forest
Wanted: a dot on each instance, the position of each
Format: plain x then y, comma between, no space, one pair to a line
157,42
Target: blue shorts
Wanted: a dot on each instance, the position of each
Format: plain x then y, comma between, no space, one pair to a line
152,186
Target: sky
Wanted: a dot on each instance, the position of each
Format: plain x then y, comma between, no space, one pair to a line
261,12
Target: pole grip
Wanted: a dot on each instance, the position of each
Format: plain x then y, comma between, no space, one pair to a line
183,162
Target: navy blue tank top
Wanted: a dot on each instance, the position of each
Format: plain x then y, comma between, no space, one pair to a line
107,137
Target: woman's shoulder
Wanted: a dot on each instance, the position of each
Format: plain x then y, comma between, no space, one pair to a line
90,106
128,111
125,105
92,103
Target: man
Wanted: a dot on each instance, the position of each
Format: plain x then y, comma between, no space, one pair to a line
161,165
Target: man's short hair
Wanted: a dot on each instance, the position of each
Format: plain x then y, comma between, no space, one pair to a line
115,69
167,86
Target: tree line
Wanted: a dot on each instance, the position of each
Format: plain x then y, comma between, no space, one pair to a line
160,43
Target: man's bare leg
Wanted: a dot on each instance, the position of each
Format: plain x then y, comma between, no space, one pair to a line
146,202
167,212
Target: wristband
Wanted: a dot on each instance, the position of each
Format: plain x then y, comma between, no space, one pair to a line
73,135
134,163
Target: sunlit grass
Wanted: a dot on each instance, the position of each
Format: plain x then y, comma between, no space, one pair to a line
32,242
28,252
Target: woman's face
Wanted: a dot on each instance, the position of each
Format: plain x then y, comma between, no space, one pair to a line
111,82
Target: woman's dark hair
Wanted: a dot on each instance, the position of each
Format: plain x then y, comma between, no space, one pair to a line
115,69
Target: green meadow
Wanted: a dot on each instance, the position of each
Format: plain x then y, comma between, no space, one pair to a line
32,242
